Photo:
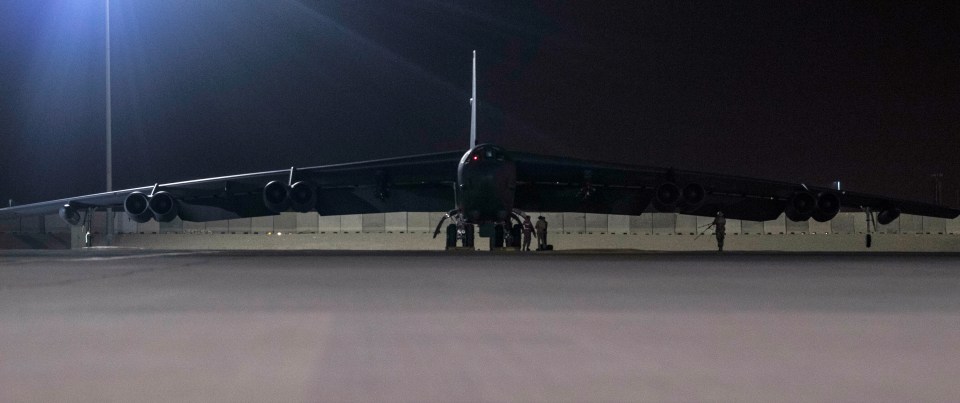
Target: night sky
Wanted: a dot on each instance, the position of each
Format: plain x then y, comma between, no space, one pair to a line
864,92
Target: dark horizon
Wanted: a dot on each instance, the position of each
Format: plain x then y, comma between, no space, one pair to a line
805,92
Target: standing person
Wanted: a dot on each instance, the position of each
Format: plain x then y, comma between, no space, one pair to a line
541,228
720,229
527,232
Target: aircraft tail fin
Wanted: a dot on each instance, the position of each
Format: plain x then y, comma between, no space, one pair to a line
473,105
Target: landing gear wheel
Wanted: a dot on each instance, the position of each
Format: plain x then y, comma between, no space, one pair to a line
496,241
515,233
451,236
468,235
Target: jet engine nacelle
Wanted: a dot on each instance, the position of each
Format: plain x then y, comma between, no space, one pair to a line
666,197
70,215
137,206
164,206
669,196
888,215
303,197
276,196
800,206
828,205
692,195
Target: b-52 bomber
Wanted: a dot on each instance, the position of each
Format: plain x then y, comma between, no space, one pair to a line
487,186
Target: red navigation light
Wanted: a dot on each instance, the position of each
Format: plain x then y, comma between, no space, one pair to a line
476,157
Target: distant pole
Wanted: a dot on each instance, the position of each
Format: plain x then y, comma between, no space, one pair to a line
938,177
473,104
109,237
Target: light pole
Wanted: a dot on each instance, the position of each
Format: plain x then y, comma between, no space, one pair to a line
109,124
938,177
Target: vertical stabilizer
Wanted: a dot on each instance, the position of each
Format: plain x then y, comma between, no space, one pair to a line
473,105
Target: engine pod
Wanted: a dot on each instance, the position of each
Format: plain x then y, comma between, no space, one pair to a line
888,215
137,206
276,196
693,195
69,214
800,206
303,197
164,206
828,205
666,197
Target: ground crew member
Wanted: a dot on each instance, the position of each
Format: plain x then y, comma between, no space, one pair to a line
541,228
527,232
720,229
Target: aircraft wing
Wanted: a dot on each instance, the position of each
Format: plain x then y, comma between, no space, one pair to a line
416,183
546,183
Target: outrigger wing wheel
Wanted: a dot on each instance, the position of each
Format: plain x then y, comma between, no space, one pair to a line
454,214
439,224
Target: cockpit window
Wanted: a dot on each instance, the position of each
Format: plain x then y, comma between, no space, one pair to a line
492,153
486,153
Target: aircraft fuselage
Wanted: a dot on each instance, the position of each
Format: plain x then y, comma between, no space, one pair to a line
486,184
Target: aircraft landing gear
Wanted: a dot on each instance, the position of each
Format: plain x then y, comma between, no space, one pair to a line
496,241
86,226
467,235
458,230
451,236
516,234
871,222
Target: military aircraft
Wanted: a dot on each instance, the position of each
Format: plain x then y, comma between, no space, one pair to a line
487,186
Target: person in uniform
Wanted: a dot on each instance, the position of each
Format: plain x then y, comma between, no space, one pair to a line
720,229
541,228
527,232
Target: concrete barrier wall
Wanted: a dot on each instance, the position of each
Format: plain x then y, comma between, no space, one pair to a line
636,232
307,223
953,226
395,223
54,225
595,223
844,223
816,227
750,227
351,223
934,225
663,223
909,224
618,224
10,225
261,225
338,241
418,222
570,223
376,223
329,224
641,225
797,227
35,241
775,227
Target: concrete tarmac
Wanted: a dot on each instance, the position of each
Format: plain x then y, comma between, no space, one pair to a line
117,325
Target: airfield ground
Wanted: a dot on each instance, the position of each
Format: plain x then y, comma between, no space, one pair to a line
129,325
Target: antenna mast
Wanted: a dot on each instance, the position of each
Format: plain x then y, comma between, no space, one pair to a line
473,105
